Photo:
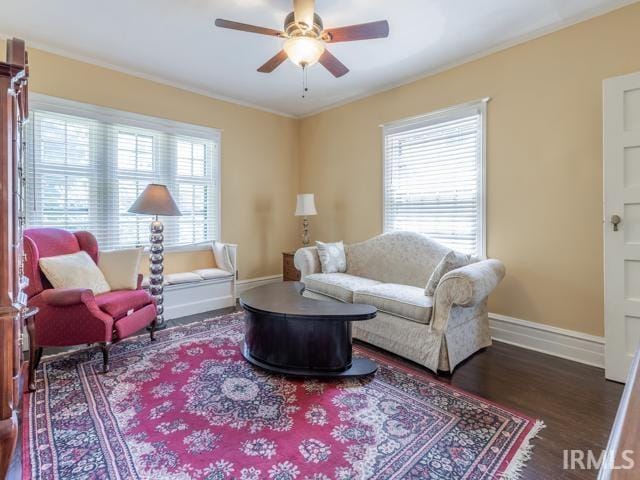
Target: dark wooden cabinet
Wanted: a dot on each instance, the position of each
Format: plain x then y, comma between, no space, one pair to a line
624,441
13,115
289,271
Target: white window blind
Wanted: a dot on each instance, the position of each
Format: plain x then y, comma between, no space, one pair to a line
87,165
434,176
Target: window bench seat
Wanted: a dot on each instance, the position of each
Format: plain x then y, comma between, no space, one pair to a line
200,290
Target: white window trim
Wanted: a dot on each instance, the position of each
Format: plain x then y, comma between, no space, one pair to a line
38,101
463,109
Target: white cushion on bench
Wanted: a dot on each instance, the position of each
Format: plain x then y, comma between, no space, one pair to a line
209,273
182,277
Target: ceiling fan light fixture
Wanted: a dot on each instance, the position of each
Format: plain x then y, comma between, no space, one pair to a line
304,51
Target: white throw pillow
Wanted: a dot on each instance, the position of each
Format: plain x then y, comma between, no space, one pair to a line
76,270
121,267
221,255
451,261
332,257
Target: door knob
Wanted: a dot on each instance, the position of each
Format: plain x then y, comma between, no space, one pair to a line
615,220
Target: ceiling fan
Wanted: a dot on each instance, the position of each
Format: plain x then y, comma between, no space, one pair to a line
306,38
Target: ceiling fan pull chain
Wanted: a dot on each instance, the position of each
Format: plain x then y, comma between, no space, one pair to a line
305,83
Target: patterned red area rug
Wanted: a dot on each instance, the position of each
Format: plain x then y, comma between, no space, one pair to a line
190,407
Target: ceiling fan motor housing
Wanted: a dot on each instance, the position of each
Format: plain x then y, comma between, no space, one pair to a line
292,29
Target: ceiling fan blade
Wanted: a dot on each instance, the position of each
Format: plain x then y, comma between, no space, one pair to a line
331,63
273,62
245,27
303,11
363,31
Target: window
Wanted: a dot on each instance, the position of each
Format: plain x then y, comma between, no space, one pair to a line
434,176
87,165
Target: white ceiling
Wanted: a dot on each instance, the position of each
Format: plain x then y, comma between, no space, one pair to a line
175,41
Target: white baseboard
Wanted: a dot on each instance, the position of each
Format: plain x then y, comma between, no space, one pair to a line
559,342
244,285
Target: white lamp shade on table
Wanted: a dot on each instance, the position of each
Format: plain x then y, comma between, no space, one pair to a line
305,205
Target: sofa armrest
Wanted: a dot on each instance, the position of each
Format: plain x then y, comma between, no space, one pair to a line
465,286
307,261
471,284
64,297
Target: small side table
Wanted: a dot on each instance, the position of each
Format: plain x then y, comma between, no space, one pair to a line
289,271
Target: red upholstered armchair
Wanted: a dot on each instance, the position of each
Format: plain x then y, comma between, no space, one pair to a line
77,316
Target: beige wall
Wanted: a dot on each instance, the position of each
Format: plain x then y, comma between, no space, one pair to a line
259,154
544,164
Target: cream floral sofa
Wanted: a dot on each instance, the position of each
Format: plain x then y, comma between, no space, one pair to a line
390,272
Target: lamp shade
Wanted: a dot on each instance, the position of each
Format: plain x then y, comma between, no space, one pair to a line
305,205
155,199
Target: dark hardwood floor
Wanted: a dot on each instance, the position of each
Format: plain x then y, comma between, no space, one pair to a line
574,400
576,403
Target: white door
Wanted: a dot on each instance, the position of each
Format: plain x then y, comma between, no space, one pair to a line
621,110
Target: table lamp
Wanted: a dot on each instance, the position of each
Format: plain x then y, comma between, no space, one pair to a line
156,200
305,207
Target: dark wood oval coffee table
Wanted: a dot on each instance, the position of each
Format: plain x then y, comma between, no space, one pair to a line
293,335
